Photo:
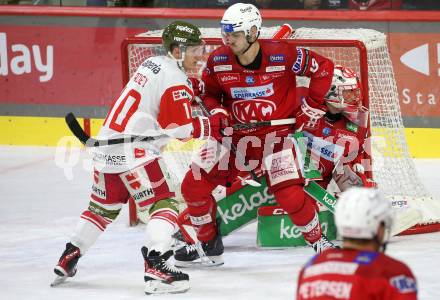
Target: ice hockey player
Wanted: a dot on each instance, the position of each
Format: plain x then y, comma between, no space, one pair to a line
360,270
155,102
256,81
338,144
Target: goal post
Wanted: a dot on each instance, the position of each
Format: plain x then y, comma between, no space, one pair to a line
363,50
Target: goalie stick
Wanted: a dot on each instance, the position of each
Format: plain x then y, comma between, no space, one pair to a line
404,219
85,139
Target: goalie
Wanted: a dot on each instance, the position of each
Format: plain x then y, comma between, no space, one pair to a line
339,143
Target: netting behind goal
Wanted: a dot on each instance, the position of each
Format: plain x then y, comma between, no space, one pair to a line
366,52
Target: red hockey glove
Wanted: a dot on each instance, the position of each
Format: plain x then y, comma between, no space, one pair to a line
310,114
198,86
213,126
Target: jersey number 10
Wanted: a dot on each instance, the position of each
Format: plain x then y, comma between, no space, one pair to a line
122,110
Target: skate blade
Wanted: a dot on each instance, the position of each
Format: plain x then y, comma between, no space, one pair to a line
212,261
160,287
58,280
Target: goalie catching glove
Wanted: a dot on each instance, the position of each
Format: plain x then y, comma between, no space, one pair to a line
310,114
215,126
352,175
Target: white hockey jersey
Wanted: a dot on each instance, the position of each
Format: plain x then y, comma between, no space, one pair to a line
155,102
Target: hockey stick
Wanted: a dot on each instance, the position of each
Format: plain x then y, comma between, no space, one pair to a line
404,219
264,123
254,181
86,140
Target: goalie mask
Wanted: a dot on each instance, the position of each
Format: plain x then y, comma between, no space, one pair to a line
240,17
184,35
345,96
359,213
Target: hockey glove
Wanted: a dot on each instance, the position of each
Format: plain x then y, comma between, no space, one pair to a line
198,86
352,175
310,114
212,126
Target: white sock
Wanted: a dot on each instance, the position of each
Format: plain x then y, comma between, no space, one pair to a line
159,235
85,235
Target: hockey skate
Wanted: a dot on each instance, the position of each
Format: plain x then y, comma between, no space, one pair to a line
200,254
322,244
161,277
66,266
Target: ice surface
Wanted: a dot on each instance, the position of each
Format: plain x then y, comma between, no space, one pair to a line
39,208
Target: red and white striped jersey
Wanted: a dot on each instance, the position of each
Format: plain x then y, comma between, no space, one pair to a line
156,101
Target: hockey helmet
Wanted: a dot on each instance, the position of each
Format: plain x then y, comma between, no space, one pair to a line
345,90
359,212
240,17
180,33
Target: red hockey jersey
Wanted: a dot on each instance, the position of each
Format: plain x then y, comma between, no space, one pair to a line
355,275
336,139
268,93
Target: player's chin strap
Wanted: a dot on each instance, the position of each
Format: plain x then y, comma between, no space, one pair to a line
384,242
179,61
250,43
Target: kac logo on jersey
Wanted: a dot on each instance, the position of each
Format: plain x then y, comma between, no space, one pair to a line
220,58
246,111
326,131
252,92
250,80
277,58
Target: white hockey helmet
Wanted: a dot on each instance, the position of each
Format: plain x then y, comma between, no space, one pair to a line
241,17
359,212
345,91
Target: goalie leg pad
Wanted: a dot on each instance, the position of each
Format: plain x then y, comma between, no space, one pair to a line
202,207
